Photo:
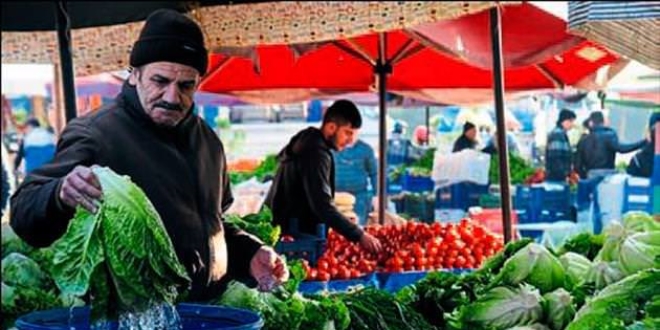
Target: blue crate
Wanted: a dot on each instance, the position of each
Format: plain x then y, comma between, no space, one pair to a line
393,282
337,286
304,246
417,183
462,195
638,195
541,205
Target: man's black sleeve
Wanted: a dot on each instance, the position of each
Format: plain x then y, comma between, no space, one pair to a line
316,174
37,216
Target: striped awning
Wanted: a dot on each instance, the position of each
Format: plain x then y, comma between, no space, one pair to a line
630,28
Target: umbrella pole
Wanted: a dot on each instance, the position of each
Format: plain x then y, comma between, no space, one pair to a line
498,84
66,62
428,130
382,69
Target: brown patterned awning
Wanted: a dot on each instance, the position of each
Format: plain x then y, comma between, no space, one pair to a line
102,49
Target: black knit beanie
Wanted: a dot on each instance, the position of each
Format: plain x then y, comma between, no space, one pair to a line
468,126
169,36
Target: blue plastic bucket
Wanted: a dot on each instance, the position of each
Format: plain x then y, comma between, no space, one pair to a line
193,317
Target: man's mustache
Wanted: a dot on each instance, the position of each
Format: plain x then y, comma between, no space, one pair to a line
169,106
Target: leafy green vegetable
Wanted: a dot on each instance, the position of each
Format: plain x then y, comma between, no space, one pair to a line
373,309
639,251
18,269
640,222
586,244
577,266
618,304
441,293
559,309
122,255
260,225
519,168
494,264
503,308
534,265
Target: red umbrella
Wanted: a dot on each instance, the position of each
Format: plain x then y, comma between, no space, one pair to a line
538,54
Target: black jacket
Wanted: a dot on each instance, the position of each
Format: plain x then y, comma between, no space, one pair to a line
598,149
642,163
463,143
304,187
182,171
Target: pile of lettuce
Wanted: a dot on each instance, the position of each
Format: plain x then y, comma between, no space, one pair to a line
121,256
608,281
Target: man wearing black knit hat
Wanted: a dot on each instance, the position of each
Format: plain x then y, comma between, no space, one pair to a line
150,134
558,152
467,140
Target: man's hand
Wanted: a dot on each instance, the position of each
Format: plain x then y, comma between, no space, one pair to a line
268,268
81,187
370,243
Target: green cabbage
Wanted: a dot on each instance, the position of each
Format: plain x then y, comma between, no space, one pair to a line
640,222
534,265
615,233
18,269
618,305
503,308
604,273
640,251
122,254
535,326
559,309
576,266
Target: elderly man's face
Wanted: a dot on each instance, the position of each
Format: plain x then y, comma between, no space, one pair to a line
166,90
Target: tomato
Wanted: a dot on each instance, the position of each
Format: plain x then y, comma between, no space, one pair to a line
355,273
397,262
433,251
409,261
460,262
312,275
287,239
343,273
418,251
334,272
323,276
421,262
453,253
322,265
449,262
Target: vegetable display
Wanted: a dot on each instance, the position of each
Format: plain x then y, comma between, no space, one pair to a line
519,168
412,246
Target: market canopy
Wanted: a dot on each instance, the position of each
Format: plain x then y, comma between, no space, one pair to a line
442,62
102,33
631,28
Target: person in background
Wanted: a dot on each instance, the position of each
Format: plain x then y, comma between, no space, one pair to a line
150,134
642,162
491,146
399,149
597,152
558,152
357,173
37,147
5,190
467,140
578,164
304,185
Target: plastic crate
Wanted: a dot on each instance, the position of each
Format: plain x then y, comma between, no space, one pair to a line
304,246
313,287
461,195
544,205
492,219
638,195
417,183
420,207
490,201
393,282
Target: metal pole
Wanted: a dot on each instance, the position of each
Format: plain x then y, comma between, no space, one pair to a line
428,125
498,84
66,62
382,69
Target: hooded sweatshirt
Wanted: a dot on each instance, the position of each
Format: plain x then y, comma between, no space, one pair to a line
303,187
